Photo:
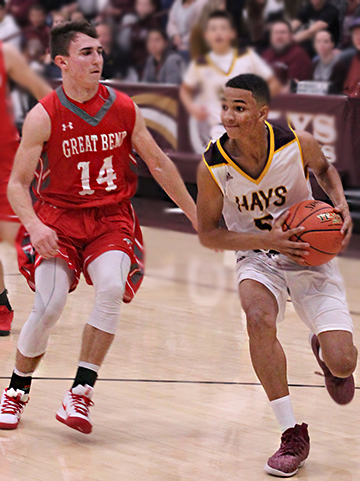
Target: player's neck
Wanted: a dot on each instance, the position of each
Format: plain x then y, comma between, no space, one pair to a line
253,147
222,51
79,93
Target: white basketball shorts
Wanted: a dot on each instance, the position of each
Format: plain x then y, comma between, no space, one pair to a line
317,293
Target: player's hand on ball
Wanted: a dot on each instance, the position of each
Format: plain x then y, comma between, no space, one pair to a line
280,241
44,240
346,230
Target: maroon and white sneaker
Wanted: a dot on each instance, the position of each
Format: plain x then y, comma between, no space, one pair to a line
341,390
6,318
294,449
74,411
11,407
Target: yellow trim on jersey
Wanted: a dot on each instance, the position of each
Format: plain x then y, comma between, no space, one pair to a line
208,146
211,172
213,65
286,145
267,165
306,170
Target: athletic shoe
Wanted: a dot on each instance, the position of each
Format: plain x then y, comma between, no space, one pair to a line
294,449
6,318
74,411
341,390
11,407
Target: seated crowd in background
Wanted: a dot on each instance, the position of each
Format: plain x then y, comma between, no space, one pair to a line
168,41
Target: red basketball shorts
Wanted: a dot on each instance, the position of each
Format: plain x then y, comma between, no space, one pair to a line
85,234
7,155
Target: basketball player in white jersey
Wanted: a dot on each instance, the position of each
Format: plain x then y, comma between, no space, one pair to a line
252,175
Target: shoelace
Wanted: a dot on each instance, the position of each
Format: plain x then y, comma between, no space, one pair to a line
81,403
12,405
291,443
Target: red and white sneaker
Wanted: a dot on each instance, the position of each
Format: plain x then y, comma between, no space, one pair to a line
342,390
6,318
294,449
11,407
74,411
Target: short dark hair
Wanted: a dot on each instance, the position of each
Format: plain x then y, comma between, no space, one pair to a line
63,34
2,3
221,14
158,30
255,84
285,22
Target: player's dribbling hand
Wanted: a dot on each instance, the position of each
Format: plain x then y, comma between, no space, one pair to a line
279,240
343,210
44,240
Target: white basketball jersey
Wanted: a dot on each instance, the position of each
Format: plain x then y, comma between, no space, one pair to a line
250,205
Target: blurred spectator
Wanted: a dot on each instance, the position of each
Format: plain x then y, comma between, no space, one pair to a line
349,10
134,29
198,44
77,16
210,73
184,14
9,31
328,67
20,9
352,82
57,18
116,9
37,35
286,57
314,16
52,71
116,63
162,65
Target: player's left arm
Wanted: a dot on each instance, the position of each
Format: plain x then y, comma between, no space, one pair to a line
328,179
21,73
162,168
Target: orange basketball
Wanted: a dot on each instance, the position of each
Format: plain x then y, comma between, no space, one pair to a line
322,230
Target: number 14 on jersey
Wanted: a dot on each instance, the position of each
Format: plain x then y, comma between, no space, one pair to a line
106,175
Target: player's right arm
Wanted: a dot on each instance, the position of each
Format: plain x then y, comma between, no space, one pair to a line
187,94
21,73
36,131
209,210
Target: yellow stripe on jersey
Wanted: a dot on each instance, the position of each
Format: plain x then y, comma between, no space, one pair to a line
286,145
235,57
306,170
211,172
238,169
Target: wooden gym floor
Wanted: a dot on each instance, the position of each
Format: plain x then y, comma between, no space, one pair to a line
177,399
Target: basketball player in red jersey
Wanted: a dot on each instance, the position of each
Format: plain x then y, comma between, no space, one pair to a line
13,66
83,134
252,175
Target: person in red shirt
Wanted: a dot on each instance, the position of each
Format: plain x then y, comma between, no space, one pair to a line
285,56
37,35
14,67
83,221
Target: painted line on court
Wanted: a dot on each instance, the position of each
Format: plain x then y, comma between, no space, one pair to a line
174,381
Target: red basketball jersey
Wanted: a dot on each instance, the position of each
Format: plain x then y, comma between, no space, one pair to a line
8,131
88,159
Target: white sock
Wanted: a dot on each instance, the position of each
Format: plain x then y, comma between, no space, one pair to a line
284,413
88,365
23,374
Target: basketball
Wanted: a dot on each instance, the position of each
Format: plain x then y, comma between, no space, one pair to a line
322,230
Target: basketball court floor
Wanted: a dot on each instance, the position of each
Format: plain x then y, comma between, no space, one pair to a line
177,399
